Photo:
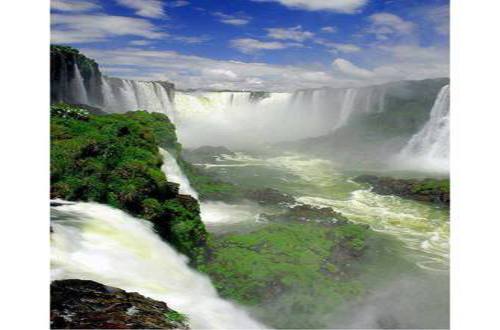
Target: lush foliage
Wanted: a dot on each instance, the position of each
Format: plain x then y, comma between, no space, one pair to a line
290,264
114,159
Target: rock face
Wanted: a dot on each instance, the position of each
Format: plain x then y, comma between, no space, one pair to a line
81,304
426,190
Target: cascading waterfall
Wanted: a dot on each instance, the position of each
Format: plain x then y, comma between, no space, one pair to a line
429,148
234,118
121,95
97,242
347,108
174,174
77,87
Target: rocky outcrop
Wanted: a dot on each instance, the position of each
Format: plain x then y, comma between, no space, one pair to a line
308,213
268,196
82,304
63,61
425,190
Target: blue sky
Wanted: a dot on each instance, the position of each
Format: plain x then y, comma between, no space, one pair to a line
259,44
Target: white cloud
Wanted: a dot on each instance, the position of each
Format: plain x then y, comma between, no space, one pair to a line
188,71
98,28
140,42
145,8
191,39
336,47
295,33
232,19
329,29
351,70
73,5
440,17
341,6
178,3
248,45
385,24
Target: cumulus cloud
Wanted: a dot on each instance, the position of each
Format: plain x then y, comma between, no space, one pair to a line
145,8
351,70
249,46
73,5
98,28
385,24
187,71
329,29
295,33
340,6
232,19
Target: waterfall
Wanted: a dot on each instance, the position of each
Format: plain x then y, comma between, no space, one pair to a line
97,242
174,174
121,95
77,87
430,146
347,108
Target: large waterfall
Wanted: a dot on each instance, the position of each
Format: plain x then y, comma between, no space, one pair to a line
97,242
237,118
429,148
111,94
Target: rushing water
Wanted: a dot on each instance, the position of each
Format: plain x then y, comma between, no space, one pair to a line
96,242
423,228
429,148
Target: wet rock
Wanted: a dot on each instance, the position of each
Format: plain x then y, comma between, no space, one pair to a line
426,190
307,213
269,196
82,304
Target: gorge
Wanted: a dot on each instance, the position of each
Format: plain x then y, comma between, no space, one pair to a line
270,230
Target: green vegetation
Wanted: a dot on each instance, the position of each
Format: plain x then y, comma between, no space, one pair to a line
432,185
114,159
86,65
207,186
301,265
176,317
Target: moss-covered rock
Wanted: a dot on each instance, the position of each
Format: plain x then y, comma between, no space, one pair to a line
436,191
114,159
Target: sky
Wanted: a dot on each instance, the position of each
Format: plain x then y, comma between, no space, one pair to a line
269,45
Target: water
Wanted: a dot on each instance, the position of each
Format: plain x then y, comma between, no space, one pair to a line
174,174
235,119
77,87
121,95
430,147
96,242
423,228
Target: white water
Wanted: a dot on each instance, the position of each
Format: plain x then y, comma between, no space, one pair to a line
97,242
77,87
174,174
235,120
347,108
121,95
429,148
215,215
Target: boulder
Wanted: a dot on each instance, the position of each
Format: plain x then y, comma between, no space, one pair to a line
82,304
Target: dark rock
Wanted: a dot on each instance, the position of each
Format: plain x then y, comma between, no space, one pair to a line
304,212
425,190
269,196
81,304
